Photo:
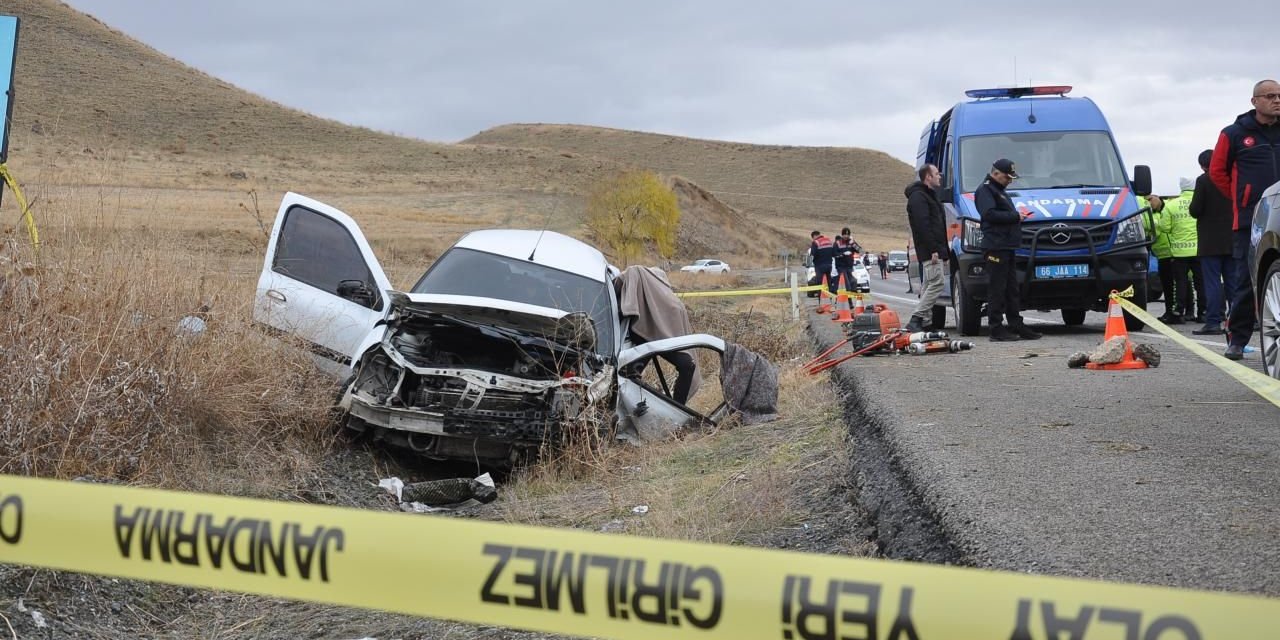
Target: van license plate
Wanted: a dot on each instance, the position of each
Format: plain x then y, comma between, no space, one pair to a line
1055,271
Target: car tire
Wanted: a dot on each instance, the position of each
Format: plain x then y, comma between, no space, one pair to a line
1269,297
968,310
1073,317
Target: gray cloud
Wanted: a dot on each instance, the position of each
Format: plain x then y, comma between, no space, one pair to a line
815,73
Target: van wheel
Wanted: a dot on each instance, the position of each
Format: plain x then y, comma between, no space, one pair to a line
1073,317
968,310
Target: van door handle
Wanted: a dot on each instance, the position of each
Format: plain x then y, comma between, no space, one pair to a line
276,295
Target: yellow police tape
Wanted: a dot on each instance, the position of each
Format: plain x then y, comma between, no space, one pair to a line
7,178
1265,386
575,582
747,292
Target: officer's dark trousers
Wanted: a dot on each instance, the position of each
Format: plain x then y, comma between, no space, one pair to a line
1189,285
1170,284
683,362
1242,320
1002,289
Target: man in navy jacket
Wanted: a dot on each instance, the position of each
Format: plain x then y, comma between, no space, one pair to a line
1245,162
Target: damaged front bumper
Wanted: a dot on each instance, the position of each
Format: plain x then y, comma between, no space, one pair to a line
449,412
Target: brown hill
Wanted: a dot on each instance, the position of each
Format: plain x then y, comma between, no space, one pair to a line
796,188
94,107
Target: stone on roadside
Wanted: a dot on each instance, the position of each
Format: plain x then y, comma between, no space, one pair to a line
1077,360
1147,353
1109,352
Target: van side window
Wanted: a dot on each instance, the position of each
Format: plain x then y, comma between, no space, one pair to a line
317,250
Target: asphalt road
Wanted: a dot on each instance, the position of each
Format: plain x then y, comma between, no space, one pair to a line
1167,476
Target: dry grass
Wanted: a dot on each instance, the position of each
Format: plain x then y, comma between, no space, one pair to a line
822,186
729,486
100,382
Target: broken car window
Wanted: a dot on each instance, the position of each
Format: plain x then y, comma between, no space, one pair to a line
469,272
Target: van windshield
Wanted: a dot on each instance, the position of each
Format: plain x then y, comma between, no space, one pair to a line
1062,159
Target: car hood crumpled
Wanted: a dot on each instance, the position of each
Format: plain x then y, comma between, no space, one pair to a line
534,320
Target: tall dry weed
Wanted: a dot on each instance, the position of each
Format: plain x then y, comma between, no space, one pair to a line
98,379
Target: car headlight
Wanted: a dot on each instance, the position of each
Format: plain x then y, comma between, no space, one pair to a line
1130,231
972,235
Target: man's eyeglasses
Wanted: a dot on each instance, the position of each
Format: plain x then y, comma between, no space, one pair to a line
1268,96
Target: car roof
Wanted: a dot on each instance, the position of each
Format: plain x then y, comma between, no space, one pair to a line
1010,115
554,250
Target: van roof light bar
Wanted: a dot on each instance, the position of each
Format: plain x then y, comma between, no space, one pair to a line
1018,92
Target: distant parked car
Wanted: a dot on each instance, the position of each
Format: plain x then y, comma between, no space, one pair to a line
898,261
706,266
1264,266
861,279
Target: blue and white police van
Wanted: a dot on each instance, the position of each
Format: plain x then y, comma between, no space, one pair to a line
1082,231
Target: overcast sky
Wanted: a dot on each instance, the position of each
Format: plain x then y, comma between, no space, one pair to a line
1168,77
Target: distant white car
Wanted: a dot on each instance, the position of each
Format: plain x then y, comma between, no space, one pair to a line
861,280
706,266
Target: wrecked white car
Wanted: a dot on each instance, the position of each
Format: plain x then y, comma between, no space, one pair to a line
508,336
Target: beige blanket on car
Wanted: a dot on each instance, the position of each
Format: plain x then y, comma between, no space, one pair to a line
646,299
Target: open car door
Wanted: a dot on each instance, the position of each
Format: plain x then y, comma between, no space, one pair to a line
646,409
320,281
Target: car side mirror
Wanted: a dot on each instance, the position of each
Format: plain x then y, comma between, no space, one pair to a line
356,291
1142,180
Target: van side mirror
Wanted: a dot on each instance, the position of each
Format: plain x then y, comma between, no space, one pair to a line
1142,180
943,193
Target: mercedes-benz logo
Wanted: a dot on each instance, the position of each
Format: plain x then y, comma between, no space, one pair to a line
1062,236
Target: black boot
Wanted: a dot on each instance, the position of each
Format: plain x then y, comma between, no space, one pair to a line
1001,333
1026,333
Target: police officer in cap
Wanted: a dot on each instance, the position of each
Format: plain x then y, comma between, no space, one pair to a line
1001,236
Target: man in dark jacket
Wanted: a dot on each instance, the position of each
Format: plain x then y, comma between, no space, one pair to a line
929,235
1245,162
823,251
1213,215
845,248
1001,236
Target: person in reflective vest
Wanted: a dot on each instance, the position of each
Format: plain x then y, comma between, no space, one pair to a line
1179,228
1152,223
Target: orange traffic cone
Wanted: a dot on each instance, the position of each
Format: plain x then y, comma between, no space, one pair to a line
1115,327
824,305
840,287
843,313
859,308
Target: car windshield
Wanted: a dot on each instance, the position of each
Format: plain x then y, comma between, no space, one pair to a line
1062,159
898,254
701,263
467,272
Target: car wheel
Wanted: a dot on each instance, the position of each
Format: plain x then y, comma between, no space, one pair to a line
1271,321
968,310
1073,317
